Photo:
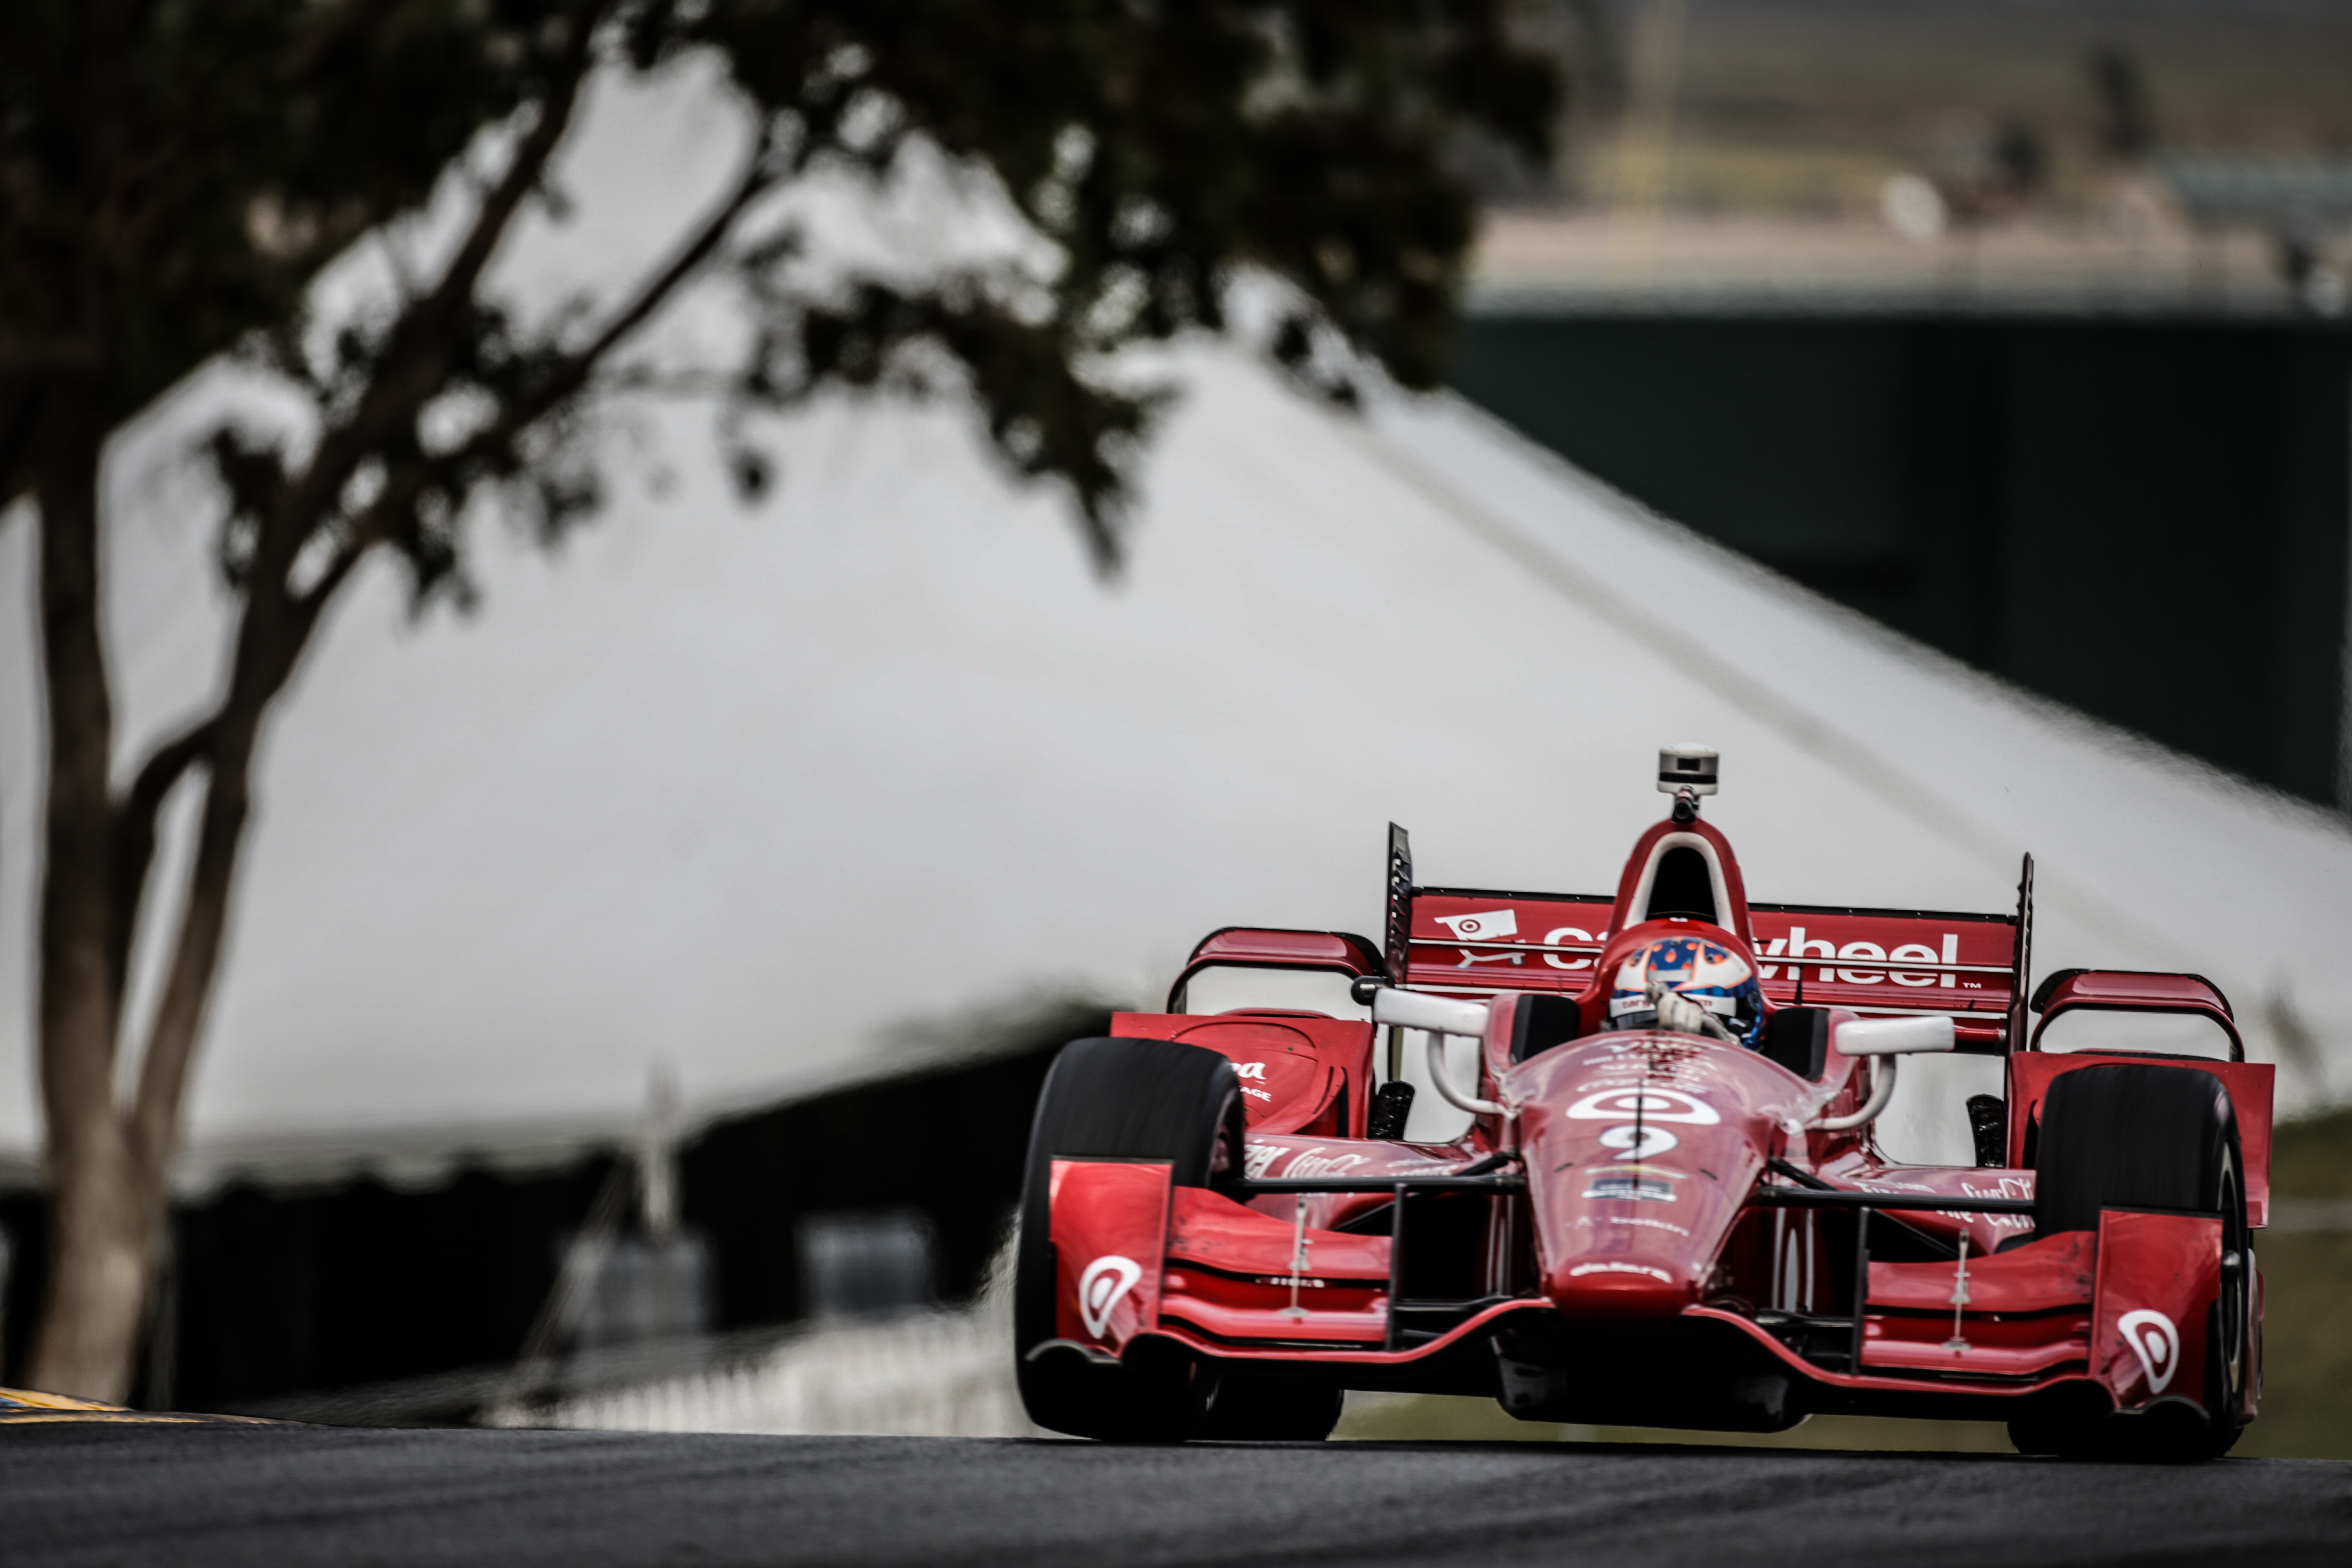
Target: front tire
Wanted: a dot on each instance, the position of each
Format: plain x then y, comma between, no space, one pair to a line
1260,1409
1117,1099
2140,1136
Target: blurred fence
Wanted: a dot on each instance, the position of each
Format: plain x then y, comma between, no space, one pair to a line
360,1300
937,1374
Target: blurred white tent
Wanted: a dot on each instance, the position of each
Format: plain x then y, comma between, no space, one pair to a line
744,791
750,791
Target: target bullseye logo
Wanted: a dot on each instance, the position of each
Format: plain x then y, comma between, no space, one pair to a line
1645,1106
2157,1342
1487,925
1106,1280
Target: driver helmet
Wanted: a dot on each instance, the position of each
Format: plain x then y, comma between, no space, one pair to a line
1703,972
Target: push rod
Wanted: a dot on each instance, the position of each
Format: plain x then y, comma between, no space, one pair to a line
1380,1184
1936,1203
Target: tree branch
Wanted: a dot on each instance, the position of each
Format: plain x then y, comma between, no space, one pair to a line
418,352
277,623
449,471
19,416
154,1116
276,626
330,28
132,850
758,177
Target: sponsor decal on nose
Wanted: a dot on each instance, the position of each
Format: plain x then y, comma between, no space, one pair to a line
1643,1268
1610,1186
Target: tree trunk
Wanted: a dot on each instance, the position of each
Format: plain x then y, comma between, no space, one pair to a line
109,1154
112,1111
105,1226
101,1267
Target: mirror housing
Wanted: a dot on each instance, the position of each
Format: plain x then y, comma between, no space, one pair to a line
1438,1017
1892,1037
1420,1010
1884,1037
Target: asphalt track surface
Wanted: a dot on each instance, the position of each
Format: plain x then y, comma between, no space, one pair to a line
72,1494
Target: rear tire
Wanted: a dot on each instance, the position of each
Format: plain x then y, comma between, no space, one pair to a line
1120,1100
2140,1136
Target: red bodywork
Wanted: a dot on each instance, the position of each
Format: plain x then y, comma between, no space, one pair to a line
1622,1245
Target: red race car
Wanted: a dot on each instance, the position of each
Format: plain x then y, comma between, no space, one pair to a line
1669,1207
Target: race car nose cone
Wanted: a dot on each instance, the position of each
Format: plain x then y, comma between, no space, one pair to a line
1618,1286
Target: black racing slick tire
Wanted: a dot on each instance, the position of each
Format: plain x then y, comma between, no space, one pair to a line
1261,1409
1119,1099
2141,1136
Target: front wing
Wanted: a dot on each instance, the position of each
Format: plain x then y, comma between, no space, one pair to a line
1256,1279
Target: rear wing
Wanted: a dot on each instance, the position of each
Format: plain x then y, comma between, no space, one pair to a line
1969,967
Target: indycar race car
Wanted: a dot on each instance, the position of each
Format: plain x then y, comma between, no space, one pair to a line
1669,1207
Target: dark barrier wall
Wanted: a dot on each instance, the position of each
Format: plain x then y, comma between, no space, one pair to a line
276,1294
282,1293
2145,519
949,1145
364,1284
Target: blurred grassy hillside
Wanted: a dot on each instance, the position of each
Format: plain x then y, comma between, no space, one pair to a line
2307,1375
2308,1320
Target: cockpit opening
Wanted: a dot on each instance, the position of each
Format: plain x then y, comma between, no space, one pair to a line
1683,887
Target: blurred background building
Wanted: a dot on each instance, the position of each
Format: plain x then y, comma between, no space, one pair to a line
1970,390
2019,327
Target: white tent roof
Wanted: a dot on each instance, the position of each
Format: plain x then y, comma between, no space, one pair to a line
747,792
742,792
